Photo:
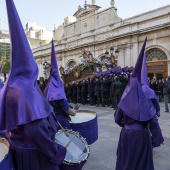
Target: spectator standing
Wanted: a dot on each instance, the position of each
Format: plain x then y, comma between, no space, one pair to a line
166,93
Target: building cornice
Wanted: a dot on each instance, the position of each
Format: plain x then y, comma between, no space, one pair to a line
110,32
135,33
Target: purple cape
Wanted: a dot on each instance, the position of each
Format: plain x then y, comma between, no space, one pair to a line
21,100
54,89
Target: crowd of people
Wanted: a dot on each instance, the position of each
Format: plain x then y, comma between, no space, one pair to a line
106,90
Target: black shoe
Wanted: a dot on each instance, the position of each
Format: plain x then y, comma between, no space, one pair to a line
114,109
167,111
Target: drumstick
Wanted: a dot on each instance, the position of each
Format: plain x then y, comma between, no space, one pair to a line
69,142
62,129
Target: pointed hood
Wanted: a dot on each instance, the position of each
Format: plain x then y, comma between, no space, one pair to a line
54,89
144,77
144,81
134,102
21,100
137,70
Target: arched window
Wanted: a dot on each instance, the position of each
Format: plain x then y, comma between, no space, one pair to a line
71,64
155,54
103,56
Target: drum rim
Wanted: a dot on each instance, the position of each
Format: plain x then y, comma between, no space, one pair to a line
84,141
86,111
4,141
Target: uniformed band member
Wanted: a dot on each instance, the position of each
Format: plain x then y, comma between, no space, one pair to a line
105,91
116,89
95,89
98,90
84,92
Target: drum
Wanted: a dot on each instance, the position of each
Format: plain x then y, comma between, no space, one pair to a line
85,122
6,162
77,149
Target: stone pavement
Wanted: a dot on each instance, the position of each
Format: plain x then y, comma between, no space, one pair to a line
103,151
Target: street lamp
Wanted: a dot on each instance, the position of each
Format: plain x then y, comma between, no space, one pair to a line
116,53
45,67
61,70
106,54
113,57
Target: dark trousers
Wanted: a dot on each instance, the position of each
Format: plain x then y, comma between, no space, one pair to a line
166,100
75,97
78,97
105,98
70,98
116,98
91,98
112,99
84,97
98,94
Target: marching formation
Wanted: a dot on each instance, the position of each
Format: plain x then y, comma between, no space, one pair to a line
103,89
35,126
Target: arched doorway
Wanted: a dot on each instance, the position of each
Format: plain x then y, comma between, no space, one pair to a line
156,63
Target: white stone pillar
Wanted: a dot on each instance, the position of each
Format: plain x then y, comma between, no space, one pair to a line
169,68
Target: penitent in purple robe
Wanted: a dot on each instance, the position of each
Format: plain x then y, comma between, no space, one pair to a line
135,147
135,142
24,110
54,91
136,114
34,147
155,130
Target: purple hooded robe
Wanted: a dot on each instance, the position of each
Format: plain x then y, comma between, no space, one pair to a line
54,92
24,110
135,112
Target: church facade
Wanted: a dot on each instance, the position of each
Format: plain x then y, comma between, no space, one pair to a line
97,31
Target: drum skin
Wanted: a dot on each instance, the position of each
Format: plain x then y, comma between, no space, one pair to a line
79,147
88,129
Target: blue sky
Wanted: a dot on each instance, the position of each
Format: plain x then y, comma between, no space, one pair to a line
49,12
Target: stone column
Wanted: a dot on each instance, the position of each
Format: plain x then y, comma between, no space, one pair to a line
168,68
